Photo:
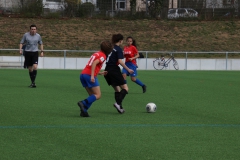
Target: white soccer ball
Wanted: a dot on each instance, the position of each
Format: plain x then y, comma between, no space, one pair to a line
151,107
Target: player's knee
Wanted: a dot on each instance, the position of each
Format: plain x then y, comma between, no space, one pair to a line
125,87
34,67
133,79
98,96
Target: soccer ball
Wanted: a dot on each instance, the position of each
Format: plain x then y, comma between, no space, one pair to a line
151,107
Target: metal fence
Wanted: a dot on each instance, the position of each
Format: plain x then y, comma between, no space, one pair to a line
171,9
187,60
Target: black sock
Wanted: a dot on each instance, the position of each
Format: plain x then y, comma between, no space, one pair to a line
34,76
31,76
86,101
117,99
122,95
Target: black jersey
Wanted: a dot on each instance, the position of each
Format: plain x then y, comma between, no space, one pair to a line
114,56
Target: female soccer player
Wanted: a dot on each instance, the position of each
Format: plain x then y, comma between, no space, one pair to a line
88,77
131,54
114,76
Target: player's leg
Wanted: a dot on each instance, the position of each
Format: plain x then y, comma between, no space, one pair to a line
83,79
123,92
117,104
34,68
110,81
116,81
136,80
94,93
118,100
117,90
114,78
29,64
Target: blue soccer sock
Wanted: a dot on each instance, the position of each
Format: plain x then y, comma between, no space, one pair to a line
88,102
85,105
139,82
125,81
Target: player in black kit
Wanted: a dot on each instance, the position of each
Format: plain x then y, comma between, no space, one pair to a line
114,76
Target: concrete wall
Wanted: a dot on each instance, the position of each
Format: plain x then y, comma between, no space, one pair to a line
53,5
8,4
143,64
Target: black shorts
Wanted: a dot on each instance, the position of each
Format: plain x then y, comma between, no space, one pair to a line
114,76
31,58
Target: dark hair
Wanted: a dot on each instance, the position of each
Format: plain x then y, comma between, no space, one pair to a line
116,38
134,42
106,47
33,25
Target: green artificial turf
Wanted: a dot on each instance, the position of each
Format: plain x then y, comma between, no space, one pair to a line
198,117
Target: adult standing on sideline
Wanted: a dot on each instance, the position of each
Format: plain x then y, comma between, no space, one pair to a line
131,54
31,39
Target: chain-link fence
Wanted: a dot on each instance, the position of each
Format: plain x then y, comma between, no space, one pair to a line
160,9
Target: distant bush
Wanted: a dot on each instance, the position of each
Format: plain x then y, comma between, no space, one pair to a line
54,15
32,8
85,10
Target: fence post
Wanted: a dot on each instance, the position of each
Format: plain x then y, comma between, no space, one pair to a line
146,60
65,59
226,60
112,8
22,60
186,62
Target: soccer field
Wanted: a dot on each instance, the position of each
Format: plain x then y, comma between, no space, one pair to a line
198,117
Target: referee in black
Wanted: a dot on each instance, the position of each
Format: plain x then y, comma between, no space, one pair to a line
31,39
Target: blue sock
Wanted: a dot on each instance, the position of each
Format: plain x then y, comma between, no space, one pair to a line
139,82
88,102
125,81
89,105
85,104
91,98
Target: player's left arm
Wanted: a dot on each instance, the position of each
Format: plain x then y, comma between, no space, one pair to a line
103,73
41,47
136,55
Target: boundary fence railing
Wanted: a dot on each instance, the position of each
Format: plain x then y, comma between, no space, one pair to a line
185,56
188,53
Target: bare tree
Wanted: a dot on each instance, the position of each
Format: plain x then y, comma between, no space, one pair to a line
157,8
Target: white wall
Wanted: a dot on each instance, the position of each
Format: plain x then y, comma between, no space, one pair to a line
8,4
214,3
53,5
92,1
143,64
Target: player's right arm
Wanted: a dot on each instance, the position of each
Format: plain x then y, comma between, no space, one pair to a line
120,61
21,43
